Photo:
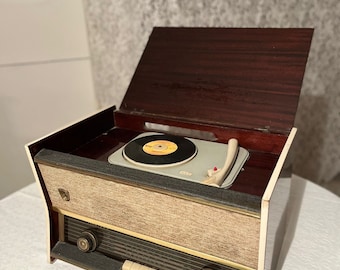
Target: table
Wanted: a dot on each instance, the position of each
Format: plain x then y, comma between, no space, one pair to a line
312,239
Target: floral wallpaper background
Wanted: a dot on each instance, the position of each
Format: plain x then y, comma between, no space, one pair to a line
119,29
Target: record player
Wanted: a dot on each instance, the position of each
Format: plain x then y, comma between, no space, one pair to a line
184,175
182,158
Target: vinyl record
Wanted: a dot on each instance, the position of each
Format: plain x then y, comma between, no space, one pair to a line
159,150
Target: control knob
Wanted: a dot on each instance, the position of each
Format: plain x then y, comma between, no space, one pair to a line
87,241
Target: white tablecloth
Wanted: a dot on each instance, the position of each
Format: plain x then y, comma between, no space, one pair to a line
312,239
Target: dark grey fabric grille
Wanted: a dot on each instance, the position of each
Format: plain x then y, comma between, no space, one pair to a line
124,247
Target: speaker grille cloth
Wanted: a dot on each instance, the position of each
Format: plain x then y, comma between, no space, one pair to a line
124,247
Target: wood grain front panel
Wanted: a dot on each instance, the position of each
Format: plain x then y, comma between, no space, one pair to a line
202,228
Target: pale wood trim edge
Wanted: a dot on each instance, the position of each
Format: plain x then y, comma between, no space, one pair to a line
267,195
61,227
42,195
277,170
153,240
263,234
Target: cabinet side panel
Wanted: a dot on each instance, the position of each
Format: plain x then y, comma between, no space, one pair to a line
276,227
65,139
273,206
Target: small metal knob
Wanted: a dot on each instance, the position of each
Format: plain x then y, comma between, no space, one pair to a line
87,242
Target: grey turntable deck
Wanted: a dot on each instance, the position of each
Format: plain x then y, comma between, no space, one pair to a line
209,155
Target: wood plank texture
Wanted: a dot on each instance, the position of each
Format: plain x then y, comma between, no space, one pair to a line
244,78
200,227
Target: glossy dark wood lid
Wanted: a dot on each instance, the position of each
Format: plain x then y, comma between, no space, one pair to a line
245,78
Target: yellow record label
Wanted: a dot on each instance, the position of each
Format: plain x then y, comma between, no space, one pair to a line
160,147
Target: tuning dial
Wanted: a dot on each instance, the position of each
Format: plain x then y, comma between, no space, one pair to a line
87,242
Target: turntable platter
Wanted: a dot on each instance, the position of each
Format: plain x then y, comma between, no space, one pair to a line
159,150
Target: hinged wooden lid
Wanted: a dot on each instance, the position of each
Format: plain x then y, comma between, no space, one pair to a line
245,78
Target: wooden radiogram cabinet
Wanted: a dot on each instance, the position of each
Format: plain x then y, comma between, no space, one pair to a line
206,83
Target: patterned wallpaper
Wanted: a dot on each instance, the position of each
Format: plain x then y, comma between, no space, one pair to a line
119,29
